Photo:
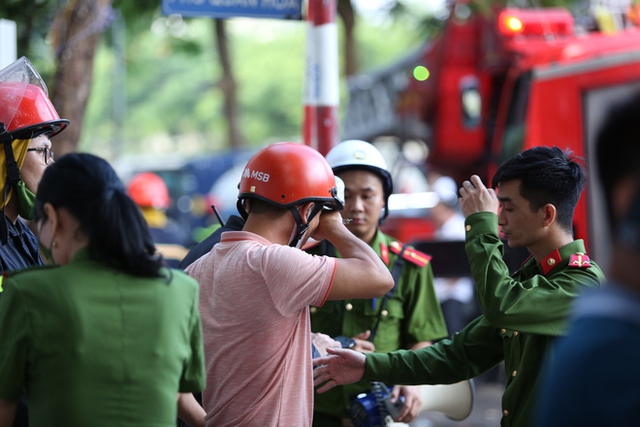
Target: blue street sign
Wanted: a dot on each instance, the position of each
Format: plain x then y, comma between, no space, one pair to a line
276,9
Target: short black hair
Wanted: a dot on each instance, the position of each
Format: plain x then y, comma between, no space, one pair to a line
264,207
547,175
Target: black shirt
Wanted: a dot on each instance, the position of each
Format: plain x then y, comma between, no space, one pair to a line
234,223
22,248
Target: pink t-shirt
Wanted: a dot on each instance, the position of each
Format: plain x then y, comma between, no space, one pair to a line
254,298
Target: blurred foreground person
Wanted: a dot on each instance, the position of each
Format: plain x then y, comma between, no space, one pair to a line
538,190
591,376
151,194
105,335
256,286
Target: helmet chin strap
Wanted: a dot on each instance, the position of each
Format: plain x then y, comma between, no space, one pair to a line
301,226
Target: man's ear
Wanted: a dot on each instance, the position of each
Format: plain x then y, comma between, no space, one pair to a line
307,211
549,214
51,214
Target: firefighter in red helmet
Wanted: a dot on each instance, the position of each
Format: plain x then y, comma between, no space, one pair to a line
150,193
27,122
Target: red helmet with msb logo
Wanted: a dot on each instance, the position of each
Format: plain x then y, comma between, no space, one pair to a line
287,174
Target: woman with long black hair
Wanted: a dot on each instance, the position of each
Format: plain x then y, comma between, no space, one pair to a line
104,335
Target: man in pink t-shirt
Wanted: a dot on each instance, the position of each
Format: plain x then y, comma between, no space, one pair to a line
256,286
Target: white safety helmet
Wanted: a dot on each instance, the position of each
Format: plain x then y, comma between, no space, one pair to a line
357,154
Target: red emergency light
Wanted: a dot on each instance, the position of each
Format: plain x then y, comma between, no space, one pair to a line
535,22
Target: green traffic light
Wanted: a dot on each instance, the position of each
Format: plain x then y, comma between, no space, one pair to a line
421,73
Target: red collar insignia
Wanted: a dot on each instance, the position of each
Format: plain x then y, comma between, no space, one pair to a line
548,263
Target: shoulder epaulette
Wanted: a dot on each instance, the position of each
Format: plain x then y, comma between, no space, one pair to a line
579,260
410,254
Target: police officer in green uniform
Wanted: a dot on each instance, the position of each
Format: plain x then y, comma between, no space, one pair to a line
104,335
408,317
522,313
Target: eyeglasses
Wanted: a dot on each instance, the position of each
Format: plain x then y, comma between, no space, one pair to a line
46,152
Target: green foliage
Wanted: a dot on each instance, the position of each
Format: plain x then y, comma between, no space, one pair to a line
172,72
268,60
138,14
33,20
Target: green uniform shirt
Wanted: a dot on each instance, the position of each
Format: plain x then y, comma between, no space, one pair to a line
522,315
412,315
96,347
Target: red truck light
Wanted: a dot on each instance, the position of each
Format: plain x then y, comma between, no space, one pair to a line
535,22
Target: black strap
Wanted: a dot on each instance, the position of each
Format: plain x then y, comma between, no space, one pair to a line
13,172
396,272
326,248
4,231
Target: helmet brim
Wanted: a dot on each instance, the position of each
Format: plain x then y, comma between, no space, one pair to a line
50,128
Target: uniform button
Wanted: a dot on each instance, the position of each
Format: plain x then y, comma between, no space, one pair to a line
551,261
313,309
384,313
468,228
515,333
349,306
504,331
514,373
505,412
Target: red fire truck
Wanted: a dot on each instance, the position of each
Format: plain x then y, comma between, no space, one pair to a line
492,85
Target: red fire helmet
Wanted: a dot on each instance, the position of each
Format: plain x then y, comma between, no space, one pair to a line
149,190
25,108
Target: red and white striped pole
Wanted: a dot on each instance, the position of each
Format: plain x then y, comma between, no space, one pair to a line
322,91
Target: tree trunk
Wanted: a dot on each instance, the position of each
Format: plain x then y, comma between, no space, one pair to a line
76,30
345,10
228,86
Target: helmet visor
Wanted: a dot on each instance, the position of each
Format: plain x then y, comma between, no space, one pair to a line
25,108
21,74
